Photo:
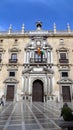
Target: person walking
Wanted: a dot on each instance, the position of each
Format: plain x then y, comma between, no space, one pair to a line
3,100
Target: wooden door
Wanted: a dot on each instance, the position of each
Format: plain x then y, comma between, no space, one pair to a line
37,91
10,93
66,93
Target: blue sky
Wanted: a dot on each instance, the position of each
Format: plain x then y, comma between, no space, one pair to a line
17,12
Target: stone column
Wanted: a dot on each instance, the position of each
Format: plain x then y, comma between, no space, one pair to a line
48,85
51,89
51,57
25,86
27,57
28,84
48,57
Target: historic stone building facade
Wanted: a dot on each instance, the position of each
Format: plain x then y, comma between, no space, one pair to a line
36,65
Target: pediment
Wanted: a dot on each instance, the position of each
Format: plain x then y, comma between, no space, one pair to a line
2,50
62,49
11,80
65,81
14,50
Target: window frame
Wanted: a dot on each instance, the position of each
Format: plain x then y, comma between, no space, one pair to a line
14,56
37,57
65,75
11,72
61,57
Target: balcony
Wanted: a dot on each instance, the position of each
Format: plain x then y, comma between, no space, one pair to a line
66,61
13,60
38,60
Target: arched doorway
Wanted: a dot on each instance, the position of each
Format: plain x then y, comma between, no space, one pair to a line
37,91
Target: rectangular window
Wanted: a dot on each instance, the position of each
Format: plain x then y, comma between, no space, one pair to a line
63,56
12,74
14,56
64,74
38,57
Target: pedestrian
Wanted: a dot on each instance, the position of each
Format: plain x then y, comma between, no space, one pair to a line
66,112
2,103
3,100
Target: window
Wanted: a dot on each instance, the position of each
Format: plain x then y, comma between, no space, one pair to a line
12,74
64,74
14,56
63,56
38,57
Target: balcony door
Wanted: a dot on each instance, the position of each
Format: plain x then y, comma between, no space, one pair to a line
38,57
37,91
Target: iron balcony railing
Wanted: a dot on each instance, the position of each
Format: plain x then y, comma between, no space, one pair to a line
13,60
38,60
63,60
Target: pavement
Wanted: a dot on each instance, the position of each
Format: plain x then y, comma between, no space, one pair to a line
28,116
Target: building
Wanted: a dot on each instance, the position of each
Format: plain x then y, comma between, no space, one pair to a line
36,65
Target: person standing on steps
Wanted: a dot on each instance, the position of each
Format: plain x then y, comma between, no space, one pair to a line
3,100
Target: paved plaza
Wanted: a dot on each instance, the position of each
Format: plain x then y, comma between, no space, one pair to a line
28,116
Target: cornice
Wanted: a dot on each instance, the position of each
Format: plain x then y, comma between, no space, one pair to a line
36,34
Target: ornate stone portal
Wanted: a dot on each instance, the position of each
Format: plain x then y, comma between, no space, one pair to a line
38,67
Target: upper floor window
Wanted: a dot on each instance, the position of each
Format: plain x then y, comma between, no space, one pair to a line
12,74
14,56
64,74
39,57
63,56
